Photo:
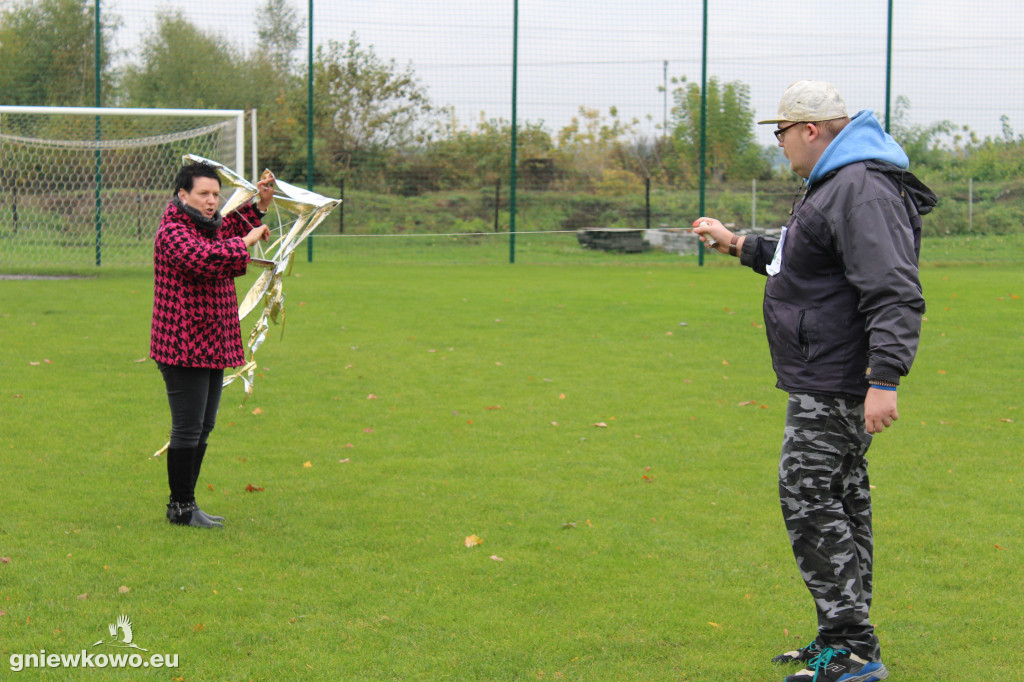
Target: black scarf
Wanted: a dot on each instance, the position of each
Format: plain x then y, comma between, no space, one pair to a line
209,225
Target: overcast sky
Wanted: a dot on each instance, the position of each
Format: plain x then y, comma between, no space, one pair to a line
963,63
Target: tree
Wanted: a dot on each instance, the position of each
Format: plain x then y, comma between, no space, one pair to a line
279,91
47,49
365,105
731,152
184,67
591,145
278,28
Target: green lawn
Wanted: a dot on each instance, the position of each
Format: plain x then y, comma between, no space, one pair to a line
609,428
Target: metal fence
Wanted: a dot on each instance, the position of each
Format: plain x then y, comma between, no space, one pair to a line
577,73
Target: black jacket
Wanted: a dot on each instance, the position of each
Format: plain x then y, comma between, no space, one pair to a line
846,304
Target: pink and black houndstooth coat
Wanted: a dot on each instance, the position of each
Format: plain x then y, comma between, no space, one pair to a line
195,307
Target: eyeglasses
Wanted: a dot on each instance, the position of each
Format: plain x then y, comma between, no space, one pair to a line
782,131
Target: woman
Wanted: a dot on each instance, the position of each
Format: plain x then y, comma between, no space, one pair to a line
195,333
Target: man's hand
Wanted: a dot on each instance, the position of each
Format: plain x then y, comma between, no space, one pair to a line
712,231
879,410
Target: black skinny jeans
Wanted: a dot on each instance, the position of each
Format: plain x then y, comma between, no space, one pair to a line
194,396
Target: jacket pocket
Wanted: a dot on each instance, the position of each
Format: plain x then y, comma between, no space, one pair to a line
206,333
808,334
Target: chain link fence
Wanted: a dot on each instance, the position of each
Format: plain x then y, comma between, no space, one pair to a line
603,94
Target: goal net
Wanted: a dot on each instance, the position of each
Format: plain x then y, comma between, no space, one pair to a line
86,187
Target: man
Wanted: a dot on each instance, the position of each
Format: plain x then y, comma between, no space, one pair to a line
843,308
195,333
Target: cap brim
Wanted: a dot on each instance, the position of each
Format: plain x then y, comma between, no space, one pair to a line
775,120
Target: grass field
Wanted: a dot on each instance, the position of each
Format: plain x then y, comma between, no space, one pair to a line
609,428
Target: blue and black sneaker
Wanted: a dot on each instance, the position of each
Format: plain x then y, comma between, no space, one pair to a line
839,665
802,654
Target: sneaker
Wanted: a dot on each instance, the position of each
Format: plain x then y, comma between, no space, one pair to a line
839,665
803,654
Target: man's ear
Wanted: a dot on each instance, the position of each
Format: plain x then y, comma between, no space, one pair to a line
813,132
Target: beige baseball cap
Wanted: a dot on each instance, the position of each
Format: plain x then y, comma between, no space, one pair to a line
809,101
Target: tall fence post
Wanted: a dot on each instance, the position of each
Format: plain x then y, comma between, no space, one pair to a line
97,87
703,124
513,153
309,122
888,68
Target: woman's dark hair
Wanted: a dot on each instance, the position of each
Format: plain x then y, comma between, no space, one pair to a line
188,174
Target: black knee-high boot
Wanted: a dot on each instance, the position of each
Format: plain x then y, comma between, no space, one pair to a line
197,464
182,509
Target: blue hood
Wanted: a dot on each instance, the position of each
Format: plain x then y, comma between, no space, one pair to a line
863,139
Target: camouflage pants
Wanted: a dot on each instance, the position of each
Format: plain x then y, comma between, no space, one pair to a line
826,503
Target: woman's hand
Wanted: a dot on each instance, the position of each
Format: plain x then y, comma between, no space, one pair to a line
256,234
265,187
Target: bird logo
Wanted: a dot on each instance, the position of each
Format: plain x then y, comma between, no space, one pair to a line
121,634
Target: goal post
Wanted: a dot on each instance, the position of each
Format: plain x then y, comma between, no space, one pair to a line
86,186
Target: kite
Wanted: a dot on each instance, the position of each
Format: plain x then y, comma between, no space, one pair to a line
298,213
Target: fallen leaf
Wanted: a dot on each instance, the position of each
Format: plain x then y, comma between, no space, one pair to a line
648,479
47,361
569,525
561,396
725,362
253,488
83,597
942,371
5,559
1008,421
602,425
367,430
210,486
349,445
307,465
198,627
343,461
34,364
998,547
371,397
258,411
124,589
747,402
714,625
473,541
495,557
493,407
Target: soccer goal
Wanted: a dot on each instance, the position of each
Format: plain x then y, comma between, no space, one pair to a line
84,186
